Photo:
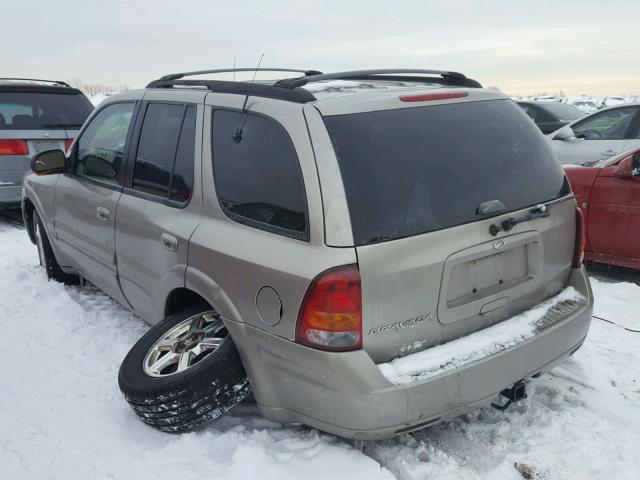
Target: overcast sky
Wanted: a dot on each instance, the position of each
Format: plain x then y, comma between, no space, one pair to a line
523,47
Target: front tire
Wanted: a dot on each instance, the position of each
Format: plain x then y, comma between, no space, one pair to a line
184,372
47,257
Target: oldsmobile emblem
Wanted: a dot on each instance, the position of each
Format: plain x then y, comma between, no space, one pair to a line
498,244
45,134
401,326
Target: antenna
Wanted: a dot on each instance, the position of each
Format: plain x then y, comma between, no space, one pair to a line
234,69
237,137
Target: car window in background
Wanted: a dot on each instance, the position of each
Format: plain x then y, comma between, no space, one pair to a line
258,180
101,145
41,110
564,112
609,125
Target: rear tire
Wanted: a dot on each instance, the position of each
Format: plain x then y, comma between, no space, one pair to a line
210,382
47,257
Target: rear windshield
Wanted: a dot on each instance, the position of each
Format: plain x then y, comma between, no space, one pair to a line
415,170
39,110
564,112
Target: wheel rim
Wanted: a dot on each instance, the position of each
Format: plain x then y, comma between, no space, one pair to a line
185,345
39,245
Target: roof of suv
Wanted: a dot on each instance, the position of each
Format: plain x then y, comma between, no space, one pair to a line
29,84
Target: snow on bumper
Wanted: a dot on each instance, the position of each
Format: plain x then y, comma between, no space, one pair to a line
489,341
345,393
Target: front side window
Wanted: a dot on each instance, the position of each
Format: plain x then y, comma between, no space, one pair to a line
610,125
258,179
101,145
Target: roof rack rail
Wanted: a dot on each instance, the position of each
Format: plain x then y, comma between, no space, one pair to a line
298,95
445,77
56,82
177,76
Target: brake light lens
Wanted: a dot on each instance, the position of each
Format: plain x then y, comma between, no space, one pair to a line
330,316
67,144
427,97
13,147
581,239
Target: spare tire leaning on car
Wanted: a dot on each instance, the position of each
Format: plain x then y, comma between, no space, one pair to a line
184,372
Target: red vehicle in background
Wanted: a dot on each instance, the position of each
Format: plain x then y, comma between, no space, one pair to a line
608,192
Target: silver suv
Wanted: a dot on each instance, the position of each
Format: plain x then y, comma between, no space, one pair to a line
35,116
367,252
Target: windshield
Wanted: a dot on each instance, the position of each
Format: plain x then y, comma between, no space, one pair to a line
42,110
564,112
415,170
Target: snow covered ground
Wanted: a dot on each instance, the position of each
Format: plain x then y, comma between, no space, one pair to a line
62,416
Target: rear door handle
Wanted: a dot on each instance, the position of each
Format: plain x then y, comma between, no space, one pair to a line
609,153
103,213
169,242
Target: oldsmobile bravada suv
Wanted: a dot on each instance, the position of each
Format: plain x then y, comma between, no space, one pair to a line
35,116
367,252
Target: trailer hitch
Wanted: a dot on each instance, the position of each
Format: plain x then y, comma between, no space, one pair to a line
514,394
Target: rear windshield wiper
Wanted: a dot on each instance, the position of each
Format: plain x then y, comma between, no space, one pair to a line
62,125
539,211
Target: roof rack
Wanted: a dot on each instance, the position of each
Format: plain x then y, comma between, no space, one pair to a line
177,76
413,75
290,88
55,82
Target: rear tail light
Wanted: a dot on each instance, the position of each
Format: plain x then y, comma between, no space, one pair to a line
13,147
330,316
67,144
427,97
581,239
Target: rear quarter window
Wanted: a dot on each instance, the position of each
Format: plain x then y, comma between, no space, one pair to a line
258,180
415,170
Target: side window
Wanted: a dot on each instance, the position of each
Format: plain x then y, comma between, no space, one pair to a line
182,180
258,180
610,125
101,146
165,155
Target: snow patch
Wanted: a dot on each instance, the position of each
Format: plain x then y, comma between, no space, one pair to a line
489,341
330,85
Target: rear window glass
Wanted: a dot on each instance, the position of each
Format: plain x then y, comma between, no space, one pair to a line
415,170
39,110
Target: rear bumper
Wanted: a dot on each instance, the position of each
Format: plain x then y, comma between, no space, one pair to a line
10,195
345,393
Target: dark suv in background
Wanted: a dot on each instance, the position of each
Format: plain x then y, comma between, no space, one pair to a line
35,116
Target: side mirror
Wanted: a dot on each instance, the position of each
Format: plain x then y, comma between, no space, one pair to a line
48,162
628,167
565,134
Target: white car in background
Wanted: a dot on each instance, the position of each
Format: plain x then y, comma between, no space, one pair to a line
598,136
582,103
613,101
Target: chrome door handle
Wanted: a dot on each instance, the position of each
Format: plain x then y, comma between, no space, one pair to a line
103,213
169,242
609,153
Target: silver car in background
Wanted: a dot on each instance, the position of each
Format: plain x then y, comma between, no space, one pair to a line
35,116
598,136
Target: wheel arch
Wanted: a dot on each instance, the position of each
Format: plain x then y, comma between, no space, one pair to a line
27,215
182,298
